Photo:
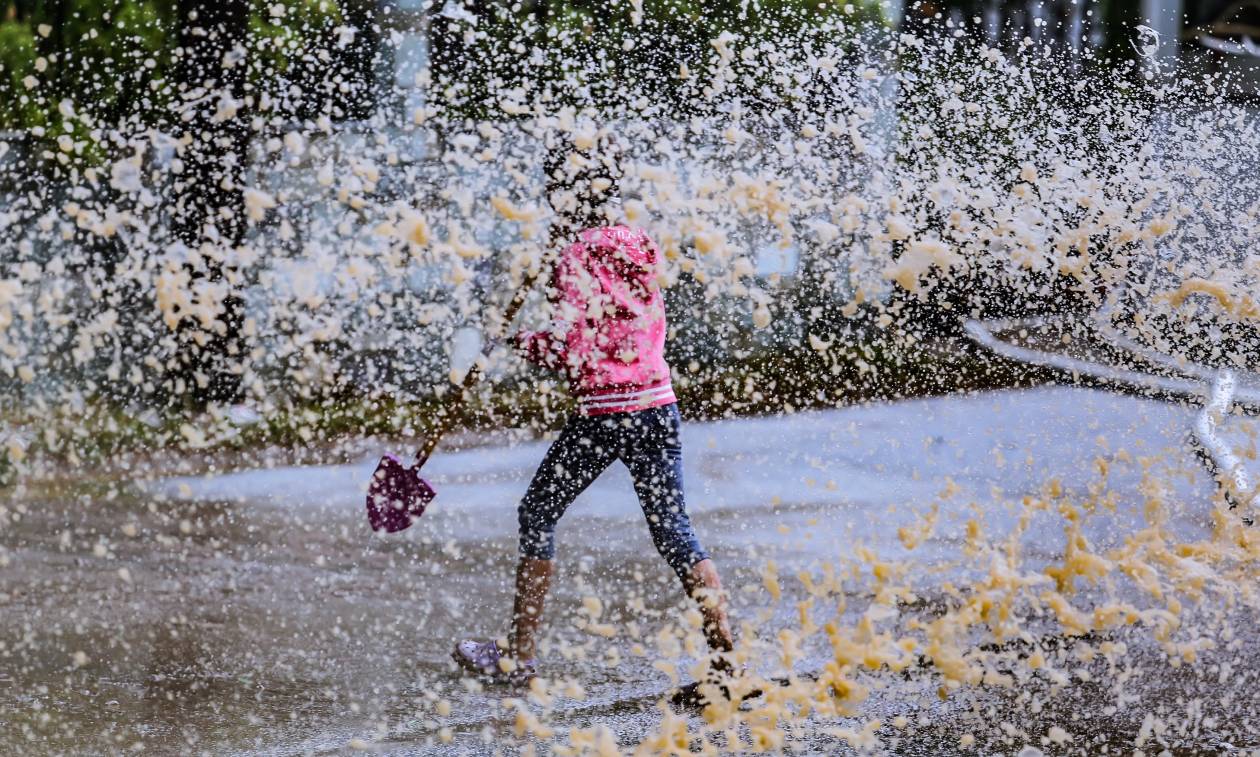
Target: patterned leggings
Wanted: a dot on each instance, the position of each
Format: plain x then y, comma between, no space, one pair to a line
647,441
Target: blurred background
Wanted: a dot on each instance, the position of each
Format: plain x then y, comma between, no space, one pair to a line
326,102
246,246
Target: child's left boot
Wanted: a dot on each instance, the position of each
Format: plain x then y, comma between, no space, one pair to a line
485,660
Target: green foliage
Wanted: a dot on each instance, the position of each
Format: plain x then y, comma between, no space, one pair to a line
583,51
280,40
115,59
17,61
98,55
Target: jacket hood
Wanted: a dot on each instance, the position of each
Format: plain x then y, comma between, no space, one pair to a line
621,255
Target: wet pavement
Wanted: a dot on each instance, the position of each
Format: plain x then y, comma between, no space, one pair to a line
255,613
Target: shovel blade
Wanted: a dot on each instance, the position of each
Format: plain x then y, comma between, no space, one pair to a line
397,495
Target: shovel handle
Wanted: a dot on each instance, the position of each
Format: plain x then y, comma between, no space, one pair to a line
474,373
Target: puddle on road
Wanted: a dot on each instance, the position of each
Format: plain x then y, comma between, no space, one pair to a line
255,627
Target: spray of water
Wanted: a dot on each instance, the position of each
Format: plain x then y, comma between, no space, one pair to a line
816,189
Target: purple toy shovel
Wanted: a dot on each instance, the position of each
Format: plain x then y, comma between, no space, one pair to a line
397,494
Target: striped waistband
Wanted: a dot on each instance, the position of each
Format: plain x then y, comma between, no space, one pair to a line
618,400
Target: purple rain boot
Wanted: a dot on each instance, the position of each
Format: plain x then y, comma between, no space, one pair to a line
481,658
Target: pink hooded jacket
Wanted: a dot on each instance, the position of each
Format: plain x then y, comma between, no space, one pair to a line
609,330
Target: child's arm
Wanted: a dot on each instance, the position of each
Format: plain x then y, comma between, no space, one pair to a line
541,347
547,348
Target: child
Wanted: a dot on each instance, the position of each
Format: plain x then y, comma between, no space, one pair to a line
609,337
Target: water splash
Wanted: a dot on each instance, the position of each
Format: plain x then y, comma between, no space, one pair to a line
843,183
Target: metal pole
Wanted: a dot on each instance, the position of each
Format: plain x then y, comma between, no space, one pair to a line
1165,17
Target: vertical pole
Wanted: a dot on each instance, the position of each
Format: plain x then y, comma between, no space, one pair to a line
1165,17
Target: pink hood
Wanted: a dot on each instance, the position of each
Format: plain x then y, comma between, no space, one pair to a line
609,331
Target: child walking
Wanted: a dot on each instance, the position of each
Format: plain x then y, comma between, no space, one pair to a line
608,336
